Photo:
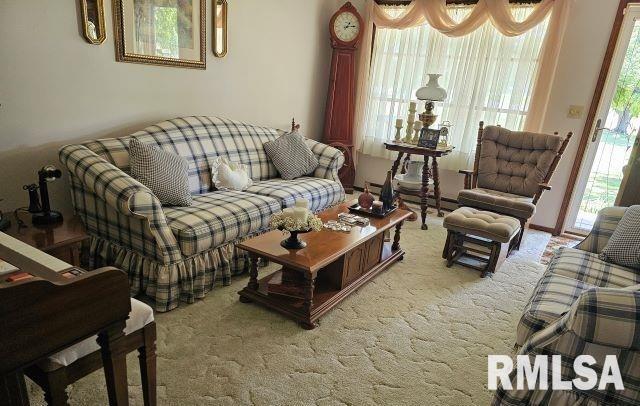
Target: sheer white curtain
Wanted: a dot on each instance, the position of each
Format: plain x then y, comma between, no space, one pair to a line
487,75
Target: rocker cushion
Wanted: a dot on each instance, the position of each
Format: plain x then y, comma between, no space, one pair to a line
515,161
521,207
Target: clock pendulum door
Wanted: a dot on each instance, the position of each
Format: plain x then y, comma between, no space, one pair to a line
346,32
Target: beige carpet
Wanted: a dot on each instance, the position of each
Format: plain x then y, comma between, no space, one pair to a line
418,334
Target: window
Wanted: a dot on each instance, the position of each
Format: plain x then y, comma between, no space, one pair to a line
487,75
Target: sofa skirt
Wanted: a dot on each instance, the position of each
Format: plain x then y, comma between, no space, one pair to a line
169,284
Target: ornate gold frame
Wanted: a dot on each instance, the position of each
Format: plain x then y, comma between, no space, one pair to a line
102,31
225,29
123,56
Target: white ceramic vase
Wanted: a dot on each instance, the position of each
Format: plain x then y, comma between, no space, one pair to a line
414,171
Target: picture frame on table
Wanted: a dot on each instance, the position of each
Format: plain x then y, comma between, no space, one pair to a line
429,138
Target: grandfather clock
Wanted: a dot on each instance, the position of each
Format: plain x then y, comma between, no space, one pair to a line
346,32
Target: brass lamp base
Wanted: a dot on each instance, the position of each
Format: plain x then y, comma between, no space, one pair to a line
428,118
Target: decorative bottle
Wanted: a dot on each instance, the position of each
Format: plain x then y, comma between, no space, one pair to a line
386,194
365,200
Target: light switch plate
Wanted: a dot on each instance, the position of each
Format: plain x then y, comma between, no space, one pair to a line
575,111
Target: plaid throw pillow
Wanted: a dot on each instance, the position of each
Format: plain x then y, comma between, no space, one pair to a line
623,247
166,174
291,155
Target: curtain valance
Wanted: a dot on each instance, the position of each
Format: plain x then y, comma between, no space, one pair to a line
435,13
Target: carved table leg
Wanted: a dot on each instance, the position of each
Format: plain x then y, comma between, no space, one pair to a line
396,237
114,362
424,193
396,165
253,277
436,186
309,286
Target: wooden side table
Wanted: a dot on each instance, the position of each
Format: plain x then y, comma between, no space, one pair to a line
63,241
427,173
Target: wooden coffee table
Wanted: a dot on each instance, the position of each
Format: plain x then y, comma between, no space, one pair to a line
334,264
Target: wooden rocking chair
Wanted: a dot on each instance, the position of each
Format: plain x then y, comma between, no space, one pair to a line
511,171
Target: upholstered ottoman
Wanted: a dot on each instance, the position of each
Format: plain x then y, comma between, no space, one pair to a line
475,238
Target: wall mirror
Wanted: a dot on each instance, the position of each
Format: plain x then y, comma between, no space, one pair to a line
220,13
92,20
161,32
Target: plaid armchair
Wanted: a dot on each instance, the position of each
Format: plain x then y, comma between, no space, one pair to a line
583,305
175,254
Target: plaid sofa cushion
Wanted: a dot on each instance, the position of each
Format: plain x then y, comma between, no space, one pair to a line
601,321
166,174
570,273
291,155
219,217
199,140
552,297
587,267
321,193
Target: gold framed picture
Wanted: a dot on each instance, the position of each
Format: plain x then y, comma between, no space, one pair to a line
161,32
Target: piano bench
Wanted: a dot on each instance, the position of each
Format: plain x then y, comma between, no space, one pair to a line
79,360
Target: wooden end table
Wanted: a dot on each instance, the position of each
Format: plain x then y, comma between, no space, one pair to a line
427,173
333,265
63,241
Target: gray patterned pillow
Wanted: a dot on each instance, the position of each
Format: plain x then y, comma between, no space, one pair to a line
166,174
623,247
291,155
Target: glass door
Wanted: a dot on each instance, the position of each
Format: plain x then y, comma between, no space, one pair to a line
614,132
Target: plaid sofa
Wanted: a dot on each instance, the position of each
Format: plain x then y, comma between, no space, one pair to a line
583,305
175,254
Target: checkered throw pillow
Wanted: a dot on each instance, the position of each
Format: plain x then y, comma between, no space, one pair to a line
166,174
291,155
623,247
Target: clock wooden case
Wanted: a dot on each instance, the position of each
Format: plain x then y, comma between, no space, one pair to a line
346,28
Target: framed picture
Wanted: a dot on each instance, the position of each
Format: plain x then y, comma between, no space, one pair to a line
429,138
161,32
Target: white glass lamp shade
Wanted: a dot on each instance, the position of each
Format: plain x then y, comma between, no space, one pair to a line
432,91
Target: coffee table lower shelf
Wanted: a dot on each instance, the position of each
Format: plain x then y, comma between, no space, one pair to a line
324,293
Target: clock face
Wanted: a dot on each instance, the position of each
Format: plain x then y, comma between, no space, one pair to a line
346,26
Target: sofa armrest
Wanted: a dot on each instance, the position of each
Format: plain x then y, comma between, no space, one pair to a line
120,191
607,220
603,316
330,160
108,182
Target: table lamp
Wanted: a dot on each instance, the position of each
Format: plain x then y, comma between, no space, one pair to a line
431,92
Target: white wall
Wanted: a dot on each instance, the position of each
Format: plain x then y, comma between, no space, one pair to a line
584,45
56,89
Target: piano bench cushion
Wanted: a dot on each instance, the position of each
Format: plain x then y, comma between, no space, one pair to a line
141,315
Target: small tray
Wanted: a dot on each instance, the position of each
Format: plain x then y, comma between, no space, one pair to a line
355,208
